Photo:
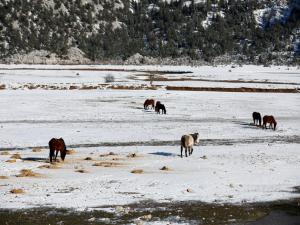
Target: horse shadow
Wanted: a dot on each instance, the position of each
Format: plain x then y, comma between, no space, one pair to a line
246,125
163,154
36,159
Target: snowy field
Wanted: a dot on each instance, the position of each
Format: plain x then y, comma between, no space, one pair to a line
235,161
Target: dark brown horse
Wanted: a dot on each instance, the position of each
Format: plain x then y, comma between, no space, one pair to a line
161,107
57,145
149,102
270,120
256,118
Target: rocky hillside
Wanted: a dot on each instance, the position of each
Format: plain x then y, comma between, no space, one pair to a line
259,31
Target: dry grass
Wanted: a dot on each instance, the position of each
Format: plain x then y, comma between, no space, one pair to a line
16,156
4,153
49,166
36,149
28,173
165,168
17,191
137,171
107,164
3,177
11,161
81,171
108,154
132,155
70,152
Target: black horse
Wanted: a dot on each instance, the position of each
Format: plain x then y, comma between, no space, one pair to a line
161,107
256,118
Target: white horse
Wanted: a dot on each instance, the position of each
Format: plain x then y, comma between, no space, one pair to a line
188,141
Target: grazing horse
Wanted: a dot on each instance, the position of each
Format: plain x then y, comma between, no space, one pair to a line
149,102
256,118
188,141
270,120
57,145
161,107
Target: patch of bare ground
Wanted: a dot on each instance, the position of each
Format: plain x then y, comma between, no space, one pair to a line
49,166
241,89
132,155
137,171
28,173
108,154
36,149
4,153
11,160
165,168
81,171
3,177
107,164
70,151
88,158
16,156
17,191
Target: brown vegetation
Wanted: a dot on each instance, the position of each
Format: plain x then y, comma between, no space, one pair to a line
27,173
11,161
3,177
137,171
4,153
36,149
107,164
49,166
71,151
16,156
17,191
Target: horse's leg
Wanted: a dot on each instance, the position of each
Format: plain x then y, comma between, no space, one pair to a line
192,149
181,148
50,155
56,155
186,152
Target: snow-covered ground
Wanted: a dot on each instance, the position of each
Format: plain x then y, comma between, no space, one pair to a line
235,161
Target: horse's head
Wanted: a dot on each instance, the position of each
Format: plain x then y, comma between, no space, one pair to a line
63,154
196,138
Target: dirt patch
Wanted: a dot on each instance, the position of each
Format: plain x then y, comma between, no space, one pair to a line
17,191
49,166
108,154
3,177
28,173
11,161
107,164
88,158
36,149
4,153
16,156
132,155
81,171
165,168
137,171
70,151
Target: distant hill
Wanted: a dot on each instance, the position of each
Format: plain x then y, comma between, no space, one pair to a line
254,31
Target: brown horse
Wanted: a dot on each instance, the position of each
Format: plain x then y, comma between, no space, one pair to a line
256,118
149,102
270,120
57,145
